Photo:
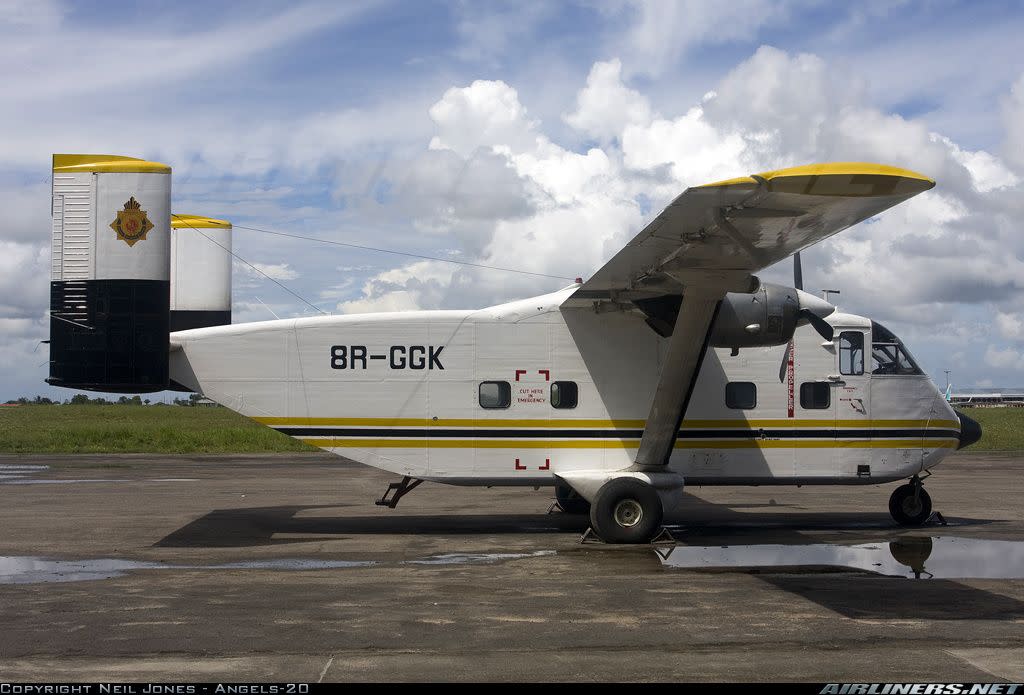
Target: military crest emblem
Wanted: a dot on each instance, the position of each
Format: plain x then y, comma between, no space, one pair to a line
132,223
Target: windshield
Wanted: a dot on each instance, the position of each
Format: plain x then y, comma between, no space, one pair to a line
888,354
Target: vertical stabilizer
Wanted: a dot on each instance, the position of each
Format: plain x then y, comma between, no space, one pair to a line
200,272
110,273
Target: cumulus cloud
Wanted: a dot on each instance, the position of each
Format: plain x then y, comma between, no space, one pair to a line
485,114
606,106
474,169
914,266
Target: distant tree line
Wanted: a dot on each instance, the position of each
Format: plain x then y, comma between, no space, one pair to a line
83,399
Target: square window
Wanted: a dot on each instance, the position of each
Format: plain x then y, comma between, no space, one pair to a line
564,394
851,353
495,394
741,395
815,395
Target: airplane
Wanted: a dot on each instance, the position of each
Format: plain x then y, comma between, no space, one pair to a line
672,365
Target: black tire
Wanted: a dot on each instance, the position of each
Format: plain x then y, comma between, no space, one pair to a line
570,501
908,511
626,510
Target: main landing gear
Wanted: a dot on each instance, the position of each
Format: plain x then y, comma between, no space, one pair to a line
626,510
910,504
570,501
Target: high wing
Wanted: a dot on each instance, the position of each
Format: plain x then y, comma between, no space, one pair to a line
730,229
711,240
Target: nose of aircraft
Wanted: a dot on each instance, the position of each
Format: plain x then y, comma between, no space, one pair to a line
970,431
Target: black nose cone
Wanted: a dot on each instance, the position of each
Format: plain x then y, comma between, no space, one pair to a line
970,431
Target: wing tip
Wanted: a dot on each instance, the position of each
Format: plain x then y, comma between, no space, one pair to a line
914,181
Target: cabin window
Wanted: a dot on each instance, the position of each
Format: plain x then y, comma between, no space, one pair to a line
851,353
888,353
741,395
495,394
815,395
564,394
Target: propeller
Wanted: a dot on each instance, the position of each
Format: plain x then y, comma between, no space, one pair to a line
812,310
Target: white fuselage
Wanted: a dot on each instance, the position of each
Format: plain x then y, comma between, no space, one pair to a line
401,392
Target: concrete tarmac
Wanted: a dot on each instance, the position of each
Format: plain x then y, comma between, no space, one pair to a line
280,567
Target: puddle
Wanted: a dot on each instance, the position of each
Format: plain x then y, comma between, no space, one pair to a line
19,471
285,565
40,570
475,558
914,557
61,481
37,570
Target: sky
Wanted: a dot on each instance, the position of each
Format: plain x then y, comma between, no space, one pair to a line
539,136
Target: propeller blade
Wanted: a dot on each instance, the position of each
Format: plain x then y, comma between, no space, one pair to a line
798,272
821,325
785,362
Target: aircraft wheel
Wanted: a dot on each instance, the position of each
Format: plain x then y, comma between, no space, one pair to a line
908,509
570,501
626,510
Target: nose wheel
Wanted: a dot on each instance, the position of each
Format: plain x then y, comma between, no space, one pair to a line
910,504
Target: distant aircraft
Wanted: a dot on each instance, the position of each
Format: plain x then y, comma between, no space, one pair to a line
661,369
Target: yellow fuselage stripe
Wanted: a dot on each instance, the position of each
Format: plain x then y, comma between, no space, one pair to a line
342,443
582,423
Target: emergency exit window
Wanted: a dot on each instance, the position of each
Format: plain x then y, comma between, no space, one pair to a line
564,394
815,395
851,353
495,394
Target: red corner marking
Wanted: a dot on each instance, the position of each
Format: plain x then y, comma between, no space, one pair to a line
518,467
546,466
546,373
519,373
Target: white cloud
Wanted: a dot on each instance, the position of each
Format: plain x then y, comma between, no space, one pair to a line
1013,120
1011,326
914,267
1007,358
662,32
987,172
693,150
52,65
606,106
484,114
23,271
277,271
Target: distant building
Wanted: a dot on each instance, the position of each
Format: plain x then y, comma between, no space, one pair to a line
988,400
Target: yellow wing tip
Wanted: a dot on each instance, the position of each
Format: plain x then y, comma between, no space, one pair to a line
197,222
106,163
829,169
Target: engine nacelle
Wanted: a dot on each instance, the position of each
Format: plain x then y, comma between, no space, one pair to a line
766,317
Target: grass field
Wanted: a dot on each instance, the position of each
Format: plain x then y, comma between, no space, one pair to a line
52,429
1002,429
135,429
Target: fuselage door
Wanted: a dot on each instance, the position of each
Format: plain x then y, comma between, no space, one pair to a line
852,402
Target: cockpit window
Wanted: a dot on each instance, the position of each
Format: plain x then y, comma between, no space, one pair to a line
888,354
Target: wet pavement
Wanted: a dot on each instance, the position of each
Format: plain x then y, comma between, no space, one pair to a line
141,567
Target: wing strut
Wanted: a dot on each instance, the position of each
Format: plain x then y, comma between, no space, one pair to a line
686,350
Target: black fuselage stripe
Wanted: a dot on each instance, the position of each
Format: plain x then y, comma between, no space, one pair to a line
560,433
